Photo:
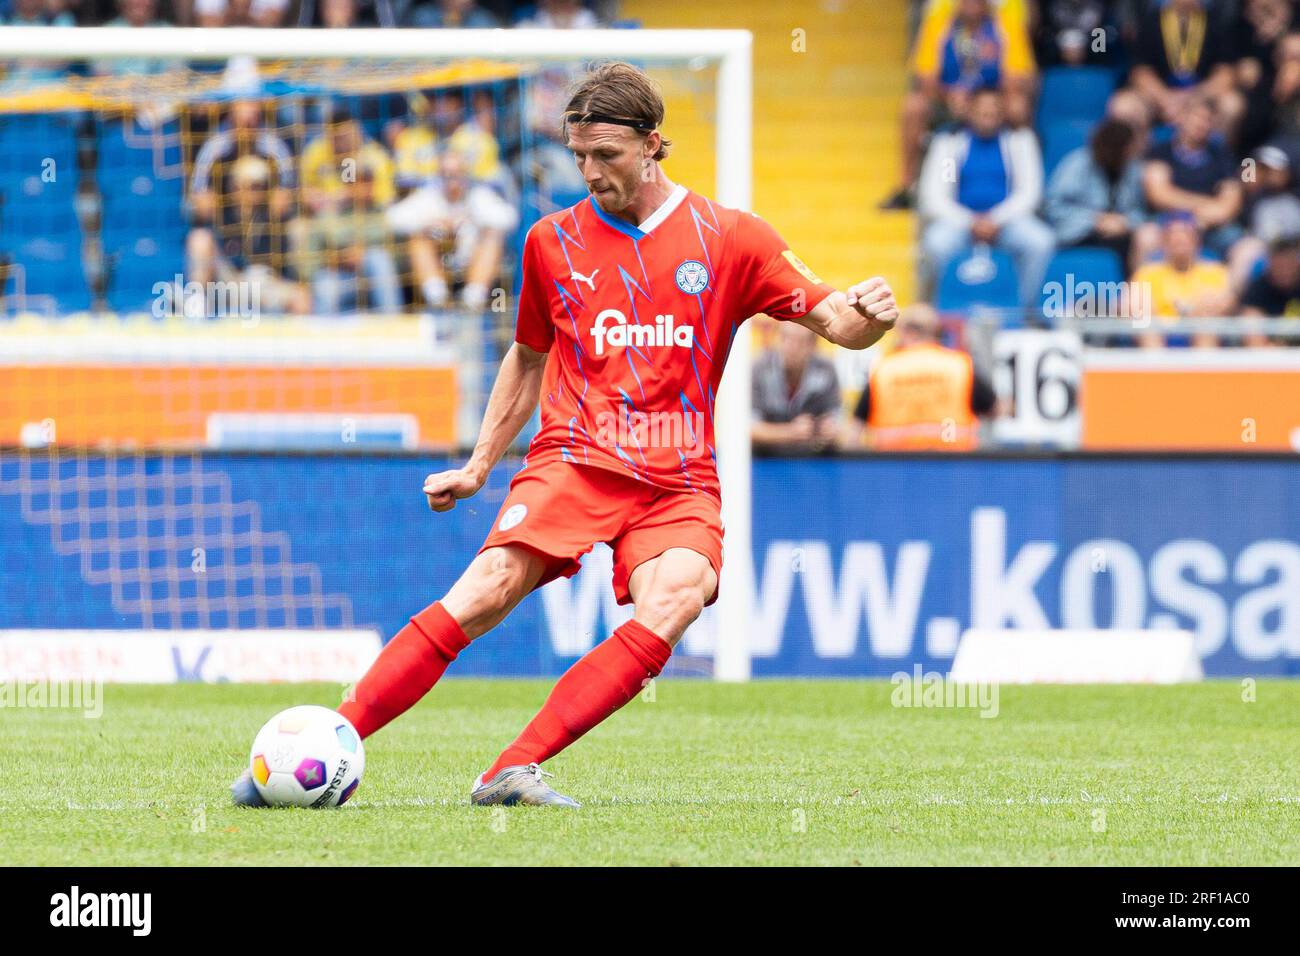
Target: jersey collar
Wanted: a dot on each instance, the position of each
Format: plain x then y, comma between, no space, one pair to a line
650,223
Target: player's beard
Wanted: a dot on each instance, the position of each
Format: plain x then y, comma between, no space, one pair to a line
617,195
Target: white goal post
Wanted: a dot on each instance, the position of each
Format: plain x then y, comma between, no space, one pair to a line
731,50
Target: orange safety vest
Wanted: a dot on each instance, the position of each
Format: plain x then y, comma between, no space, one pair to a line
920,398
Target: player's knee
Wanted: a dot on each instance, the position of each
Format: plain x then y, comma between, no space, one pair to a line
691,603
491,587
497,586
672,608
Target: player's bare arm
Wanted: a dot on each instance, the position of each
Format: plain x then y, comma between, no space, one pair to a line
512,402
855,319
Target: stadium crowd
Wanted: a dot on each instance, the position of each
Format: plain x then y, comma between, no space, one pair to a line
328,231
1159,136
1153,141
412,206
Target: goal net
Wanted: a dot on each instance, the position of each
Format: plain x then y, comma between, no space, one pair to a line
255,284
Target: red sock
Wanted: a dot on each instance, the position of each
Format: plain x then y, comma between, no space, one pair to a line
408,666
610,675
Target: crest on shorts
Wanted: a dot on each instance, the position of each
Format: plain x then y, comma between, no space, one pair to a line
692,277
514,514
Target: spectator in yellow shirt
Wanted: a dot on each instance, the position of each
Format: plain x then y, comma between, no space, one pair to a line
963,46
475,138
1182,285
417,147
331,161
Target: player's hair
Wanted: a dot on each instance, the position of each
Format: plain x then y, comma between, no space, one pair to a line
616,92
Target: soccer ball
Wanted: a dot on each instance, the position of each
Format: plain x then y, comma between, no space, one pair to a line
307,756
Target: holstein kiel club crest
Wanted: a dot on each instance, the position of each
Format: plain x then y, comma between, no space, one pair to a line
692,277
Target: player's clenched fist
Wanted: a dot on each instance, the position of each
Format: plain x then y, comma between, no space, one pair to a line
874,299
447,487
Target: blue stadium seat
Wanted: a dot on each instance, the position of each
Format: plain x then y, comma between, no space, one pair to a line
1060,137
33,149
38,191
33,190
26,218
979,280
40,236
48,273
1074,92
140,178
1072,272
143,203
140,175
136,263
124,232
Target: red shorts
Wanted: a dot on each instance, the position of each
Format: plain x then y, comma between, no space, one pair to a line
559,510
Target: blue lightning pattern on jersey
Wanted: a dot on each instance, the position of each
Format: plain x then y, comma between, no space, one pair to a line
712,227
628,407
689,414
564,451
636,246
579,243
704,326
631,286
565,297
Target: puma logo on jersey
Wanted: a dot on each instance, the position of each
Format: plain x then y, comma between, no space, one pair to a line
621,335
590,280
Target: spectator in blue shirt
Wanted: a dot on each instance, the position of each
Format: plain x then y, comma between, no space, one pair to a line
1195,173
982,184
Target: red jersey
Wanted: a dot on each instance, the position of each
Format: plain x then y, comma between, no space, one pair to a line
638,322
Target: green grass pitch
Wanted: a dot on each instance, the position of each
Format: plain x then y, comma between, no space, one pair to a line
788,772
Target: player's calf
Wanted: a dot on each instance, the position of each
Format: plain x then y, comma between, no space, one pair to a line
490,588
406,669
416,658
597,685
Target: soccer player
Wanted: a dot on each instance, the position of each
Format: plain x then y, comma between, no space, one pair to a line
629,305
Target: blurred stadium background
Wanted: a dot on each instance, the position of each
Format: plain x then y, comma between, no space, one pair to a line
249,303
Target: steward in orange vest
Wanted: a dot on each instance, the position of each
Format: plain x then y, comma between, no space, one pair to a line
923,395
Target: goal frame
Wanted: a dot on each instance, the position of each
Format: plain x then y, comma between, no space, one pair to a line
731,50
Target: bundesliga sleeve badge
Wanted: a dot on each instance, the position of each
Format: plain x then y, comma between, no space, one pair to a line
692,277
